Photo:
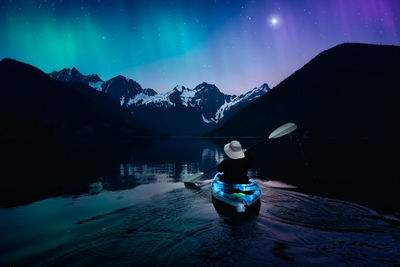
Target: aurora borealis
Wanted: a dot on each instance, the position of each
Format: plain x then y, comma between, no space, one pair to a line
236,45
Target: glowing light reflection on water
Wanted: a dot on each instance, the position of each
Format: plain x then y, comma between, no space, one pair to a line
143,214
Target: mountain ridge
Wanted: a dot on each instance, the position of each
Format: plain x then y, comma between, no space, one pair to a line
207,105
349,90
82,113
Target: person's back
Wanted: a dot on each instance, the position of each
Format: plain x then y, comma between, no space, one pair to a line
236,166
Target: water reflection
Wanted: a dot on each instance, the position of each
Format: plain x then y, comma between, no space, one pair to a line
144,161
134,210
364,172
217,154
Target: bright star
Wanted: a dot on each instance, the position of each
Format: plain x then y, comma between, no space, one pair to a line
274,21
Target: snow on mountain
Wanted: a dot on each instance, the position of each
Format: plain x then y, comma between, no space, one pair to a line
158,100
206,99
205,119
248,97
96,85
73,75
121,89
186,94
179,95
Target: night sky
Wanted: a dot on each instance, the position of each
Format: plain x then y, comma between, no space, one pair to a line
236,45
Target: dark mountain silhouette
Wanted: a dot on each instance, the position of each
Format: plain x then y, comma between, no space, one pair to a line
50,127
349,91
121,89
209,99
241,101
34,106
149,92
73,75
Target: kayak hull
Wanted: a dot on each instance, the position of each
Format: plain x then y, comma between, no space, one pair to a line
238,196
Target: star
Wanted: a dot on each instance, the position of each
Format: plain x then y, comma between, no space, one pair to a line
274,21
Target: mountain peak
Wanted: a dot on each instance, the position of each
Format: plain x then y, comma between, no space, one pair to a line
205,99
94,78
73,75
75,72
180,88
7,60
14,68
207,88
149,92
119,77
122,89
261,89
205,85
353,53
349,45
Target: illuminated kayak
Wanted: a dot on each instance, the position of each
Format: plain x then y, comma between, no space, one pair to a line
239,196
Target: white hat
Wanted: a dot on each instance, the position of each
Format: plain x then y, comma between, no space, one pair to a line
234,150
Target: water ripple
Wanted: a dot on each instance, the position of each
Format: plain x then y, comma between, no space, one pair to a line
181,226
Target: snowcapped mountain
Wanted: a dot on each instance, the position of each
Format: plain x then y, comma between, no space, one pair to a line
205,98
73,75
121,89
205,105
240,101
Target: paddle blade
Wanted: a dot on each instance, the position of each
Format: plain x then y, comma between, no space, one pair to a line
283,130
193,178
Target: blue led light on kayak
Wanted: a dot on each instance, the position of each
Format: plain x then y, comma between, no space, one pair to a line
239,196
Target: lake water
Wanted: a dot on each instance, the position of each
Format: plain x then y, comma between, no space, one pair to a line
136,210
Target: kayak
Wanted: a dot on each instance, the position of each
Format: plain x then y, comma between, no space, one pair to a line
238,196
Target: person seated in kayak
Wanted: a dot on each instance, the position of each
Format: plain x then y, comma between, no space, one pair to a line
236,166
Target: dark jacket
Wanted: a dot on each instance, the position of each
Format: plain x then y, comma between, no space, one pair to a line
235,170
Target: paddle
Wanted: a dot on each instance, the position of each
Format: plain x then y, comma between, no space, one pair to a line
281,131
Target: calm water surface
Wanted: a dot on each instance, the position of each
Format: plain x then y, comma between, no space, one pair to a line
141,213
